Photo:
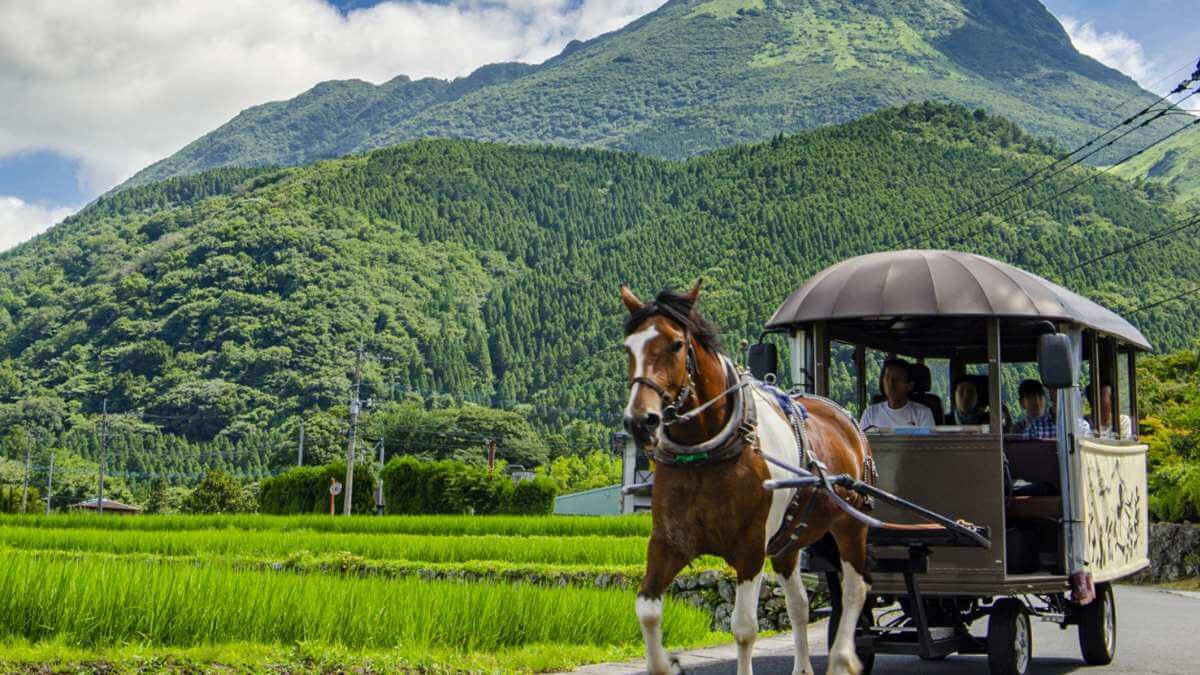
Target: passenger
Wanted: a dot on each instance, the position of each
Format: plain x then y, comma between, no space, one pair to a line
896,410
1106,412
1038,421
968,404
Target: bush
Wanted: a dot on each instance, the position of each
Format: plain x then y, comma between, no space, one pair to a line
412,486
533,497
218,493
305,489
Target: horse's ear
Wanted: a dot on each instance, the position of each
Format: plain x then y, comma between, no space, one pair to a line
694,294
632,303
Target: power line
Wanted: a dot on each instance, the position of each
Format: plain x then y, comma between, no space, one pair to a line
1023,184
1142,308
1094,175
1145,240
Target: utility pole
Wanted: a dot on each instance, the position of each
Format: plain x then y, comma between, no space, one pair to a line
355,406
103,456
25,481
379,482
50,484
491,454
300,453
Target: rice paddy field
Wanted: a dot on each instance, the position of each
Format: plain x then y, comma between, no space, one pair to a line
175,593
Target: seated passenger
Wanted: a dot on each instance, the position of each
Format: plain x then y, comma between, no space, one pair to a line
969,407
1038,421
896,410
1106,412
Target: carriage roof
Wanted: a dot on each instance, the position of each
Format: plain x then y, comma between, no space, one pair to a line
876,293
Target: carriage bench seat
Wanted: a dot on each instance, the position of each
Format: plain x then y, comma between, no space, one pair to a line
921,534
1034,507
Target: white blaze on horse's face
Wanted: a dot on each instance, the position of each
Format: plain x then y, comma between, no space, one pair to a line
636,344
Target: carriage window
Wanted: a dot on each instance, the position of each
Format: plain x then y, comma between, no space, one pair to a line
843,377
1128,430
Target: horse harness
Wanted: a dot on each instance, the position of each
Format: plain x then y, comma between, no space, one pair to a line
740,430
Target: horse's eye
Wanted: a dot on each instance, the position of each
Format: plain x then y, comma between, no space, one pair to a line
676,345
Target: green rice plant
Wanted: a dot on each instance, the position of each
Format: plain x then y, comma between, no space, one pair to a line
96,603
588,550
550,526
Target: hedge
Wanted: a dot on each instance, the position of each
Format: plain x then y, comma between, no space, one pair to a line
411,486
305,489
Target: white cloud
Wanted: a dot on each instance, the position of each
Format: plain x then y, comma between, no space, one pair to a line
1112,48
20,220
122,83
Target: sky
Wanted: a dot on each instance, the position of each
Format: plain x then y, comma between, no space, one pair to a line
91,91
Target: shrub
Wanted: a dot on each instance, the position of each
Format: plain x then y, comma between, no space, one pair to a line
218,493
533,497
305,489
412,486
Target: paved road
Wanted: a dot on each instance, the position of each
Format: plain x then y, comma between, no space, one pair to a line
1157,632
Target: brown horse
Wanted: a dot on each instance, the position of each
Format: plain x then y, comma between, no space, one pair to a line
712,501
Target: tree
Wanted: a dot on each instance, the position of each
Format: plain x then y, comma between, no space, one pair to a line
218,493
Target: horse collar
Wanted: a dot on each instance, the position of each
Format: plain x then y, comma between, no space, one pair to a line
739,430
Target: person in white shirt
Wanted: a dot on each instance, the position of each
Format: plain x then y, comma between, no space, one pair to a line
1106,413
896,410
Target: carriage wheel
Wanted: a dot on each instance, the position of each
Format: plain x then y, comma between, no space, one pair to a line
1009,638
1098,627
865,621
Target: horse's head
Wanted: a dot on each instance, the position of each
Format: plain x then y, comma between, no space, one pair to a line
661,341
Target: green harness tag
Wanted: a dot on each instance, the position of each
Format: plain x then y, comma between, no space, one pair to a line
688,459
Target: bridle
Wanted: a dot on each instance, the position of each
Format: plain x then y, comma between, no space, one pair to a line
671,406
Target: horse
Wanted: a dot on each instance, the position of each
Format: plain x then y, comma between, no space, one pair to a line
685,395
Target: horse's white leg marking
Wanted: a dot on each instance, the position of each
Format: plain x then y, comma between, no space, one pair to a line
649,614
636,344
796,596
842,657
745,622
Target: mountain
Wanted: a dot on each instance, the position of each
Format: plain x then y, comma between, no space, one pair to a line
229,301
696,75
1176,163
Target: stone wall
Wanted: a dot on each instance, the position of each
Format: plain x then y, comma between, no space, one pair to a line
1174,553
715,591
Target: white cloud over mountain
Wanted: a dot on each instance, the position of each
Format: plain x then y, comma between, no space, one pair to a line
1112,48
20,220
119,84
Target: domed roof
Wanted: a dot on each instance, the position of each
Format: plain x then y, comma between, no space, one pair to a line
919,283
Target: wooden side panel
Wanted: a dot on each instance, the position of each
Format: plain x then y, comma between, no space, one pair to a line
957,475
1115,511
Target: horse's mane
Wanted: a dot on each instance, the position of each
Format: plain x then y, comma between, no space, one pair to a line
678,308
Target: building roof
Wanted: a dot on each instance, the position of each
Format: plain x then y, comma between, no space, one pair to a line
928,284
109,505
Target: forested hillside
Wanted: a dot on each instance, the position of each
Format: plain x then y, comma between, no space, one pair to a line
696,75
1176,163
225,304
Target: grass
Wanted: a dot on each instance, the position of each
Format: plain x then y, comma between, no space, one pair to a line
21,656
106,603
549,526
589,550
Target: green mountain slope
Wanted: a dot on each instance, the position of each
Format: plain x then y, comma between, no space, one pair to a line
231,300
702,74
1175,163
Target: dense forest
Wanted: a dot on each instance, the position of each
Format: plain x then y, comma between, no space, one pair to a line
224,308
696,75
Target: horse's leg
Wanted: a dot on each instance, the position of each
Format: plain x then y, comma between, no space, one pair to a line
851,537
796,595
744,624
662,564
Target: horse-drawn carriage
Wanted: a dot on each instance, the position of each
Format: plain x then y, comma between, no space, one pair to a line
1011,526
